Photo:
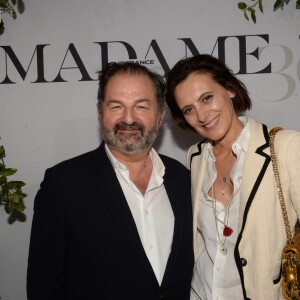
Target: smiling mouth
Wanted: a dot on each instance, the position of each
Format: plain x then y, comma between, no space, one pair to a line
128,132
128,129
212,122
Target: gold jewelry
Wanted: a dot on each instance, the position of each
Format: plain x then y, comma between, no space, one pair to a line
227,231
224,179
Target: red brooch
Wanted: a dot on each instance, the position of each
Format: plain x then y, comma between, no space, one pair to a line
227,231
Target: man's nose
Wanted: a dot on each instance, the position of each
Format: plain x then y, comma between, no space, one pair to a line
129,116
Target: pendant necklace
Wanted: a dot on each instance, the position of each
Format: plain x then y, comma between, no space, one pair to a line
224,179
227,231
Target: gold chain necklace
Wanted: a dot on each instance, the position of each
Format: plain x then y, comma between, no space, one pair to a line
224,180
227,231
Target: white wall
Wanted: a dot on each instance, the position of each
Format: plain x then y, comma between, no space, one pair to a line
44,123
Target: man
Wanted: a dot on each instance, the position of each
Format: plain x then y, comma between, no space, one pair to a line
115,223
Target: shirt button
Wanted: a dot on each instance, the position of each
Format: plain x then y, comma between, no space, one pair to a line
119,166
218,269
218,298
146,212
161,295
150,247
243,262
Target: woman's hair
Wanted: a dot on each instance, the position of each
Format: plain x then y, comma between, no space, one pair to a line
219,72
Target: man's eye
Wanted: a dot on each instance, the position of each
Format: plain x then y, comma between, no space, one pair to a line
115,107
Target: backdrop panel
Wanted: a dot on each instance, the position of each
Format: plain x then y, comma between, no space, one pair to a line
49,58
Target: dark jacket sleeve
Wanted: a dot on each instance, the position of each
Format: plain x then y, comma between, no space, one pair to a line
46,274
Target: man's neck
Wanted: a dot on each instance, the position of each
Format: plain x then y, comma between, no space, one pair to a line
139,166
132,159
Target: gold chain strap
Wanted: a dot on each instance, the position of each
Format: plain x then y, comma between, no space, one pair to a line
272,134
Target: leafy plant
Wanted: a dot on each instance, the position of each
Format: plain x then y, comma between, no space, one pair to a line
11,195
248,9
6,7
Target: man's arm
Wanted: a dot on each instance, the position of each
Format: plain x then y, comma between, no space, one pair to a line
46,274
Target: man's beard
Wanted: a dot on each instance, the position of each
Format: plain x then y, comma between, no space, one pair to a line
131,142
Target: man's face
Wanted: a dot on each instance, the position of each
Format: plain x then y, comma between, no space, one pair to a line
129,117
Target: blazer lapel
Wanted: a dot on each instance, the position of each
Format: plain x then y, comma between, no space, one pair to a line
256,163
198,168
173,195
117,206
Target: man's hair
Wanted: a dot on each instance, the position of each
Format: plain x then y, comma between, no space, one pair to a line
219,72
115,68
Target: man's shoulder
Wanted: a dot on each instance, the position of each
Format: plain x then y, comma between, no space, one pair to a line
79,162
172,163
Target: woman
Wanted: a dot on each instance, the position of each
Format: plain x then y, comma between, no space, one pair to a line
238,225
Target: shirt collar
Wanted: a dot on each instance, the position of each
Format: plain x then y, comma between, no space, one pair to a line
243,139
241,142
158,165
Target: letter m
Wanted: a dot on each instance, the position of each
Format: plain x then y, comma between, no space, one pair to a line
9,53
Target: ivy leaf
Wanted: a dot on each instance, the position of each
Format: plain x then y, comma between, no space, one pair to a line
11,194
15,198
246,16
8,172
19,206
2,151
9,207
4,3
253,16
277,4
252,13
260,5
2,27
242,5
14,206
16,184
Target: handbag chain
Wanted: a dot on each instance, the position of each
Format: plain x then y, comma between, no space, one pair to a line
272,134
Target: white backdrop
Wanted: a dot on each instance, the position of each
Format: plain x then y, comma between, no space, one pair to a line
43,121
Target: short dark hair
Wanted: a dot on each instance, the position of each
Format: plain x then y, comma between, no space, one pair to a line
114,68
219,72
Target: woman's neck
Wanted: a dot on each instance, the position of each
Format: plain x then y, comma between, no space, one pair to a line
224,146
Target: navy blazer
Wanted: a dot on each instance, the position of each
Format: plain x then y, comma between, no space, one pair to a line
84,241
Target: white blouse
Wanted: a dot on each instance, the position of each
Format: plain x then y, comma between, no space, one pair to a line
215,275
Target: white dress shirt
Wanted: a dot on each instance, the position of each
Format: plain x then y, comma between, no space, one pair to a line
152,212
215,275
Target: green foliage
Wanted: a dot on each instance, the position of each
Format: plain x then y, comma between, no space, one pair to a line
11,194
251,9
6,7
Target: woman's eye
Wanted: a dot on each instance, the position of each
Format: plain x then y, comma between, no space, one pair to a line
187,110
207,98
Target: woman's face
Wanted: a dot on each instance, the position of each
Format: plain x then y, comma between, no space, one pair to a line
207,107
